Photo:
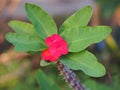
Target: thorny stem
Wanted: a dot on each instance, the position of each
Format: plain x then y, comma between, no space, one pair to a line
69,76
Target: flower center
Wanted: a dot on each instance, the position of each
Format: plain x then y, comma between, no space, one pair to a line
57,47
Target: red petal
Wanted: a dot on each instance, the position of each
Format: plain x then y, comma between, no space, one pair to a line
57,47
53,39
48,56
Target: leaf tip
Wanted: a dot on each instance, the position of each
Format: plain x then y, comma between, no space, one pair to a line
28,5
108,29
10,23
88,8
103,70
44,63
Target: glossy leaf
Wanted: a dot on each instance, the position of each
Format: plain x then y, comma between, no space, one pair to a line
80,38
22,27
44,63
84,61
79,18
44,82
25,42
43,23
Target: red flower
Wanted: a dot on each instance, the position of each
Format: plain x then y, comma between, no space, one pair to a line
48,55
57,47
53,39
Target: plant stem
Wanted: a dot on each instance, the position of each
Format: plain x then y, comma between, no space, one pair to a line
70,76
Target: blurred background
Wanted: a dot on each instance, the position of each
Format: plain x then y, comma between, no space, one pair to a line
18,70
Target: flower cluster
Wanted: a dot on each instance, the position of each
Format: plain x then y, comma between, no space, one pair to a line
57,46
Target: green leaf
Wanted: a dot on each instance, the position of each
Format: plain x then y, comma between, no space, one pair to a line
25,42
43,23
80,18
44,63
80,38
22,27
26,29
34,52
44,82
92,85
84,61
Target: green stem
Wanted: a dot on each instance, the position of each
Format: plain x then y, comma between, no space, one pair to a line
70,76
